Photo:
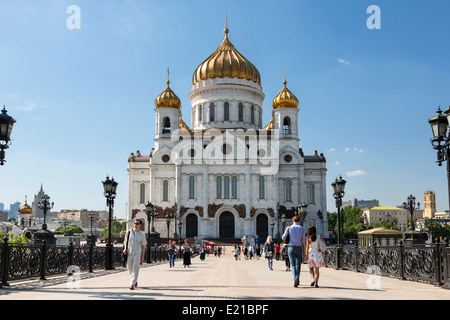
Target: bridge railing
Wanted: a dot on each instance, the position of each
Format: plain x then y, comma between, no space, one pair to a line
21,261
424,263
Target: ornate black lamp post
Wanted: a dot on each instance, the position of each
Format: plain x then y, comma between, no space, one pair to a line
412,236
338,188
302,211
152,236
283,221
43,234
272,225
180,225
6,125
338,193
439,125
91,237
175,214
109,187
168,227
278,218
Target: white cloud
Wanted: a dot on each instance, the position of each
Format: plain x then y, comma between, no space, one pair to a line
354,149
332,149
337,163
340,60
356,173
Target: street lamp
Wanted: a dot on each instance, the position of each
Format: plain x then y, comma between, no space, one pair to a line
43,234
168,227
278,218
150,210
109,188
439,126
6,125
338,188
412,236
180,224
272,225
302,211
175,213
411,206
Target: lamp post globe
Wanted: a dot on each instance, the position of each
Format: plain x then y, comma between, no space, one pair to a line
6,126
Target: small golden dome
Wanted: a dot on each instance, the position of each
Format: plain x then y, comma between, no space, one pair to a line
183,124
285,99
168,99
226,62
25,208
270,125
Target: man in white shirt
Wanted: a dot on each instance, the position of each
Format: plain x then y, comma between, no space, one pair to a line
135,249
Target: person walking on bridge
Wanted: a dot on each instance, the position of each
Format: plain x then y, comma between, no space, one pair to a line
296,243
135,250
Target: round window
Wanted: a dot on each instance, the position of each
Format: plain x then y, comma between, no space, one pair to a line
165,158
288,158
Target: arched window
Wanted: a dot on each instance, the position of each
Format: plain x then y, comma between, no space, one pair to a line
165,190
226,186
166,125
226,111
142,193
288,190
234,187
311,193
262,190
252,114
200,113
287,125
241,111
219,188
191,187
212,115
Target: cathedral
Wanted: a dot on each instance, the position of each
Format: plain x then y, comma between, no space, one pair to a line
227,175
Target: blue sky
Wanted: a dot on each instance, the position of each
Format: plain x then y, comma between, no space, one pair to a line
84,98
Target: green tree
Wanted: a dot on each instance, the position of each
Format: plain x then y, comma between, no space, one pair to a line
70,230
17,239
438,230
116,226
352,222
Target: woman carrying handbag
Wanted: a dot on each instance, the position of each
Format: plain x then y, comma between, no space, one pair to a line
313,254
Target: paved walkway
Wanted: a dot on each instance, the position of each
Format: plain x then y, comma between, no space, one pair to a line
221,279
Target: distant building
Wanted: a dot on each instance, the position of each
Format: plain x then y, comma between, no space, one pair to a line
3,215
83,215
429,204
362,204
14,210
385,213
2,206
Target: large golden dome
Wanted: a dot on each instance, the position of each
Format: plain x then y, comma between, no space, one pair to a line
285,99
168,99
226,62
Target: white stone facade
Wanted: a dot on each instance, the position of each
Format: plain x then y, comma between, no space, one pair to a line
229,172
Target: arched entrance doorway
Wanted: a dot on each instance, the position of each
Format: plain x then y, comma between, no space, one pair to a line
262,227
191,225
226,225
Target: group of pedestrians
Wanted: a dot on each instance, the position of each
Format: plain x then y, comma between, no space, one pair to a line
249,252
299,244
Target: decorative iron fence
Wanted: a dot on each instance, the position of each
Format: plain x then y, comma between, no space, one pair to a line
21,261
424,263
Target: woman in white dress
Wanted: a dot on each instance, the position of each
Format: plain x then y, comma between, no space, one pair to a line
313,254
